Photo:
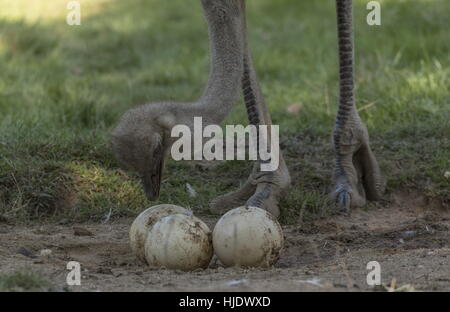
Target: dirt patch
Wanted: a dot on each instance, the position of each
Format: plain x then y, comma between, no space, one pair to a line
409,239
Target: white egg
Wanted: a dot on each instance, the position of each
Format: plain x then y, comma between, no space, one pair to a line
179,241
248,237
144,222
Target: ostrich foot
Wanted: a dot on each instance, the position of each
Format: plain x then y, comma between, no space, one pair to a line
262,190
235,199
357,175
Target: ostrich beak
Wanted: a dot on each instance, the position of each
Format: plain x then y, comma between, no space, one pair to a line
152,182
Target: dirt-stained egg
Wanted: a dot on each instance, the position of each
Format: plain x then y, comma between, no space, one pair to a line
145,221
248,237
181,242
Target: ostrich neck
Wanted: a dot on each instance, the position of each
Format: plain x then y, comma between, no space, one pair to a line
223,87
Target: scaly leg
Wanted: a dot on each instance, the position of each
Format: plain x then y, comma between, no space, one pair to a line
262,189
357,174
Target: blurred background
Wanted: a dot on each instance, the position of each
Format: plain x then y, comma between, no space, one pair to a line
62,89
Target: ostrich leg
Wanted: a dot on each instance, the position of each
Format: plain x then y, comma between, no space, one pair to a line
357,174
262,189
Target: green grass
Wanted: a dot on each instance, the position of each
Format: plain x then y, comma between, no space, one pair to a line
62,89
23,281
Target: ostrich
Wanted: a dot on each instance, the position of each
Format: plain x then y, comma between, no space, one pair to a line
141,140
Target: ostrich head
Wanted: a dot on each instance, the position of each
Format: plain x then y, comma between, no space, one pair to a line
140,142
142,137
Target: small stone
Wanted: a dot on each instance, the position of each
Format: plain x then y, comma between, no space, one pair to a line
116,273
237,283
104,270
27,253
447,174
45,253
79,231
407,234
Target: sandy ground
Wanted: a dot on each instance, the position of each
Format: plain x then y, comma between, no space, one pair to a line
410,239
